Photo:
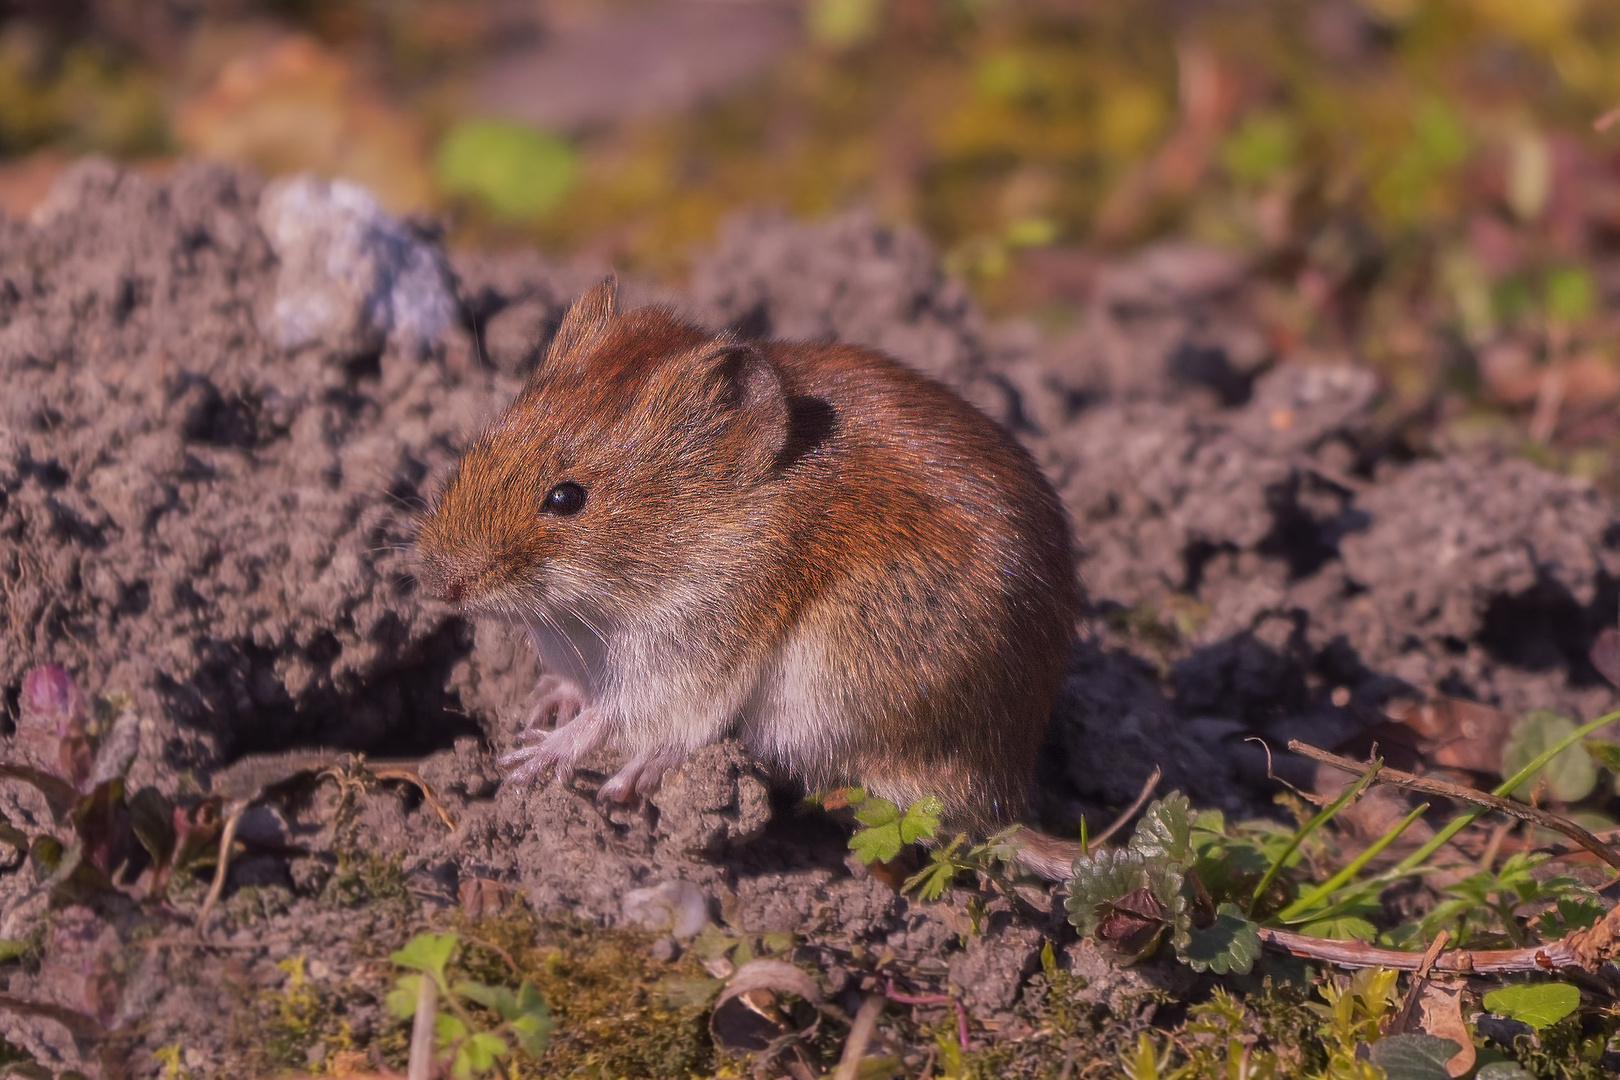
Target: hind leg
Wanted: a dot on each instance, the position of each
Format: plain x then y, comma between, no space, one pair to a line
641,775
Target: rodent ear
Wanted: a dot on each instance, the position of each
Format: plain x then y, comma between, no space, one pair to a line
587,317
749,390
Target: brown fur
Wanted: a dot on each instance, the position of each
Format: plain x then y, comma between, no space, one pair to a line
752,506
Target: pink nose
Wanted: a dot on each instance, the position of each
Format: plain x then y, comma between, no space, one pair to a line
452,592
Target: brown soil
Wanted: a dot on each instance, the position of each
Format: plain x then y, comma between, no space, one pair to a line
215,525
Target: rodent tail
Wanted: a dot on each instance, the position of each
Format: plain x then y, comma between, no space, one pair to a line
1045,856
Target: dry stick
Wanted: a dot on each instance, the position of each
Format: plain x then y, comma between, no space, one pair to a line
934,999
1420,979
860,1036
227,836
1130,811
1587,950
1427,786
1553,956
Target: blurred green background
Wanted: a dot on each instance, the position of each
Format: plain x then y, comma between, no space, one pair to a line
1426,186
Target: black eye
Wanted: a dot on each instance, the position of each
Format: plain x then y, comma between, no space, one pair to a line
564,499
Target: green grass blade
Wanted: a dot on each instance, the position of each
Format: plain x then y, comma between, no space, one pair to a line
1322,817
1413,863
1300,910
1473,814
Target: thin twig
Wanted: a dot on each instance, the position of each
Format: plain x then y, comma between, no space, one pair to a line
1428,786
1130,811
1587,950
1420,979
409,774
860,1036
227,837
934,999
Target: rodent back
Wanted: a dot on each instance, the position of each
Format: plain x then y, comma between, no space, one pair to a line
954,595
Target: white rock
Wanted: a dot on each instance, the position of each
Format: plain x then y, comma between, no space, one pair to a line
675,907
353,279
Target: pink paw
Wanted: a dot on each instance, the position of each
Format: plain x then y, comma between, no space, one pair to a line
640,775
556,699
561,749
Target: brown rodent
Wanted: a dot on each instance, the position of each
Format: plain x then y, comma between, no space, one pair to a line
811,547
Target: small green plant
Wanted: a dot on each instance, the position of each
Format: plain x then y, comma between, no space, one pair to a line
1485,905
522,1020
74,750
1154,888
172,1058
883,829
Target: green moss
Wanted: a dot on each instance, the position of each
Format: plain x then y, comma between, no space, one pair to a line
1571,1049
618,1012
365,877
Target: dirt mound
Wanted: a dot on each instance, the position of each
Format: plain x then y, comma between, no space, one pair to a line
205,513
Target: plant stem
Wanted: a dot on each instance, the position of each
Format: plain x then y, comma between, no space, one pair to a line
1309,827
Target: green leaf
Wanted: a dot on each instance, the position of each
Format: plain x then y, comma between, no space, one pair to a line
1230,944
151,817
1342,928
1605,753
1570,913
1101,878
533,1033
1031,232
1414,1057
1537,1004
533,1027
1262,146
401,1000
478,1054
879,840
1166,830
877,811
516,171
1503,1070
921,820
11,948
933,880
427,953
497,999
1570,776
1106,900
448,1029
1570,293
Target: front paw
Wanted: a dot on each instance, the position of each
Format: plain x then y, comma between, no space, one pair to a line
560,750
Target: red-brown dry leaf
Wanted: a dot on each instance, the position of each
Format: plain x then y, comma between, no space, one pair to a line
1440,1015
1457,734
1132,922
1590,381
297,106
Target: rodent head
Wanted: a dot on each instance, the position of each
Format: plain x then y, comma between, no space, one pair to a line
614,478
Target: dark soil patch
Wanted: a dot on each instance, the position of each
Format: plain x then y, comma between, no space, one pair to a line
211,523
